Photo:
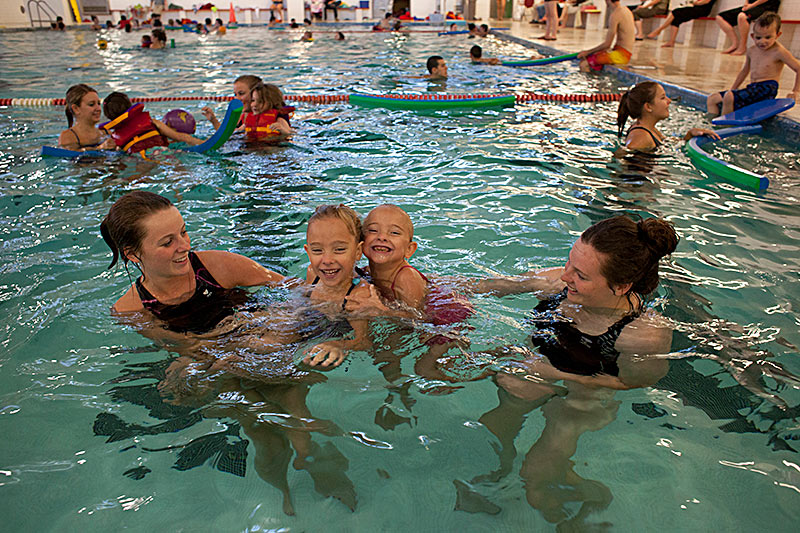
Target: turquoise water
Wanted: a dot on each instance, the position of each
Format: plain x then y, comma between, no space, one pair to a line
490,192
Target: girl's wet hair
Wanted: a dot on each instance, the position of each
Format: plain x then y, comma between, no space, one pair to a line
75,95
116,104
122,228
632,102
270,94
631,250
343,213
249,80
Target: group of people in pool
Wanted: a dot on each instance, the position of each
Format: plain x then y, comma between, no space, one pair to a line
595,319
131,129
593,331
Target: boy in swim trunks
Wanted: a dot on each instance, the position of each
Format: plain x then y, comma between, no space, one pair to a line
764,61
621,33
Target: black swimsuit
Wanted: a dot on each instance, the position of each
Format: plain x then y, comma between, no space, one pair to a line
80,144
570,350
209,304
655,140
317,324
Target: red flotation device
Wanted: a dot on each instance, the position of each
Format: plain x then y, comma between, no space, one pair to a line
260,126
134,131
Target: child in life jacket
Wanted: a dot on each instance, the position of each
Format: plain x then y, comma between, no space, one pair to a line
270,116
242,89
134,131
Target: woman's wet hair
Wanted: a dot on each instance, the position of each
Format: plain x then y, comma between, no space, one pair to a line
632,102
631,250
343,213
160,35
116,104
122,228
270,94
75,95
249,80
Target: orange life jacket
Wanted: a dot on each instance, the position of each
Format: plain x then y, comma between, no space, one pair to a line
134,131
260,126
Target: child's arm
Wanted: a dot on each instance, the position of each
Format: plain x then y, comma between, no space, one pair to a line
742,73
282,126
176,135
792,62
209,114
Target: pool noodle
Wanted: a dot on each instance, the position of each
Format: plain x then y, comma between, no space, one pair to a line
718,167
219,138
542,61
225,130
755,113
425,102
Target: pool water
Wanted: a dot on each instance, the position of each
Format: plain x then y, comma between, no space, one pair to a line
90,443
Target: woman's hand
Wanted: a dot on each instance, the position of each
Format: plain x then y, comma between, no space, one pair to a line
369,304
325,354
108,144
697,132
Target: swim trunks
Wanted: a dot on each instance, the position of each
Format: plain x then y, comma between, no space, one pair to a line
616,56
570,350
754,92
209,304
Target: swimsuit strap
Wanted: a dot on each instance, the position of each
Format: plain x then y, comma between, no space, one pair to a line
652,135
80,144
398,273
353,285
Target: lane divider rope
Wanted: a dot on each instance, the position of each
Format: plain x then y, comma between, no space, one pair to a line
334,98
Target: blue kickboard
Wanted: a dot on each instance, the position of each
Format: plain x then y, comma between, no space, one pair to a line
755,113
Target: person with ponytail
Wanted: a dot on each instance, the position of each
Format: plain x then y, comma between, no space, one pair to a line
648,104
190,292
83,110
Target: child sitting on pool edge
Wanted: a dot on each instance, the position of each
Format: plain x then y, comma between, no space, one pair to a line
621,33
270,116
764,62
134,131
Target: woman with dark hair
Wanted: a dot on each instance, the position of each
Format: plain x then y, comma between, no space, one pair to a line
648,103
676,17
593,335
189,291
591,318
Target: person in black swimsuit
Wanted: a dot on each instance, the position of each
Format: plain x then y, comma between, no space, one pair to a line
648,103
83,110
187,291
592,336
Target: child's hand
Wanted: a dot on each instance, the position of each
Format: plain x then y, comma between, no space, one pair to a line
208,113
324,354
696,132
108,144
366,305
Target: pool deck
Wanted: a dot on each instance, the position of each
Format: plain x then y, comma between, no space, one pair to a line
689,71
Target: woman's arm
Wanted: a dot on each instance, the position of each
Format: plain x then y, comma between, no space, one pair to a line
544,281
234,270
